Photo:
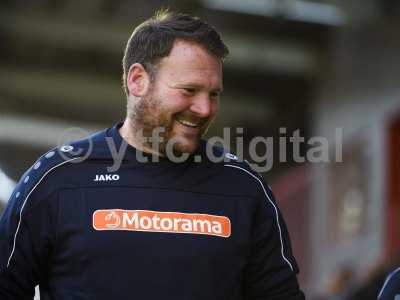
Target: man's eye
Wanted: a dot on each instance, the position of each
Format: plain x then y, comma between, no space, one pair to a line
214,95
190,91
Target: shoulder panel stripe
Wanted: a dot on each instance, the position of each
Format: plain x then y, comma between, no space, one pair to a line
273,205
387,281
26,199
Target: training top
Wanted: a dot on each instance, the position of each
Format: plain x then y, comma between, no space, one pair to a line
91,220
391,287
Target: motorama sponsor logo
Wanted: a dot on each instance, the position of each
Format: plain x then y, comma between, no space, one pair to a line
157,221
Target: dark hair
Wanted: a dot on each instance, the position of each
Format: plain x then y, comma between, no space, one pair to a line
153,39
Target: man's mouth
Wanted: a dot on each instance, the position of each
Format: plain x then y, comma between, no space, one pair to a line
189,123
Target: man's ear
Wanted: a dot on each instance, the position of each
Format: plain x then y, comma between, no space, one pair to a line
138,80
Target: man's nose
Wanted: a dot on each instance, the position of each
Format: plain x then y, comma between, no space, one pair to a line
201,106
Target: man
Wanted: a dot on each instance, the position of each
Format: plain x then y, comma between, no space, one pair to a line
391,287
133,220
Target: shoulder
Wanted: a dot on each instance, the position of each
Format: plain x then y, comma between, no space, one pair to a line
240,179
237,172
49,171
391,287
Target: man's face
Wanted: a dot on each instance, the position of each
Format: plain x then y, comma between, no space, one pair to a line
183,99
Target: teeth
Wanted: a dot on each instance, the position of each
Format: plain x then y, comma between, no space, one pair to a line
187,123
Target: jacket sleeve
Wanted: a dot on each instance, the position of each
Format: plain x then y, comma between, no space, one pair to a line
391,287
271,269
26,239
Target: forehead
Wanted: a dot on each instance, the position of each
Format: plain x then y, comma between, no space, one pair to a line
188,61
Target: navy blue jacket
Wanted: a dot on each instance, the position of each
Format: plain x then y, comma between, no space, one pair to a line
155,230
391,287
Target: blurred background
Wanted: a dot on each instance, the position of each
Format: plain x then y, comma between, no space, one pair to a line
327,68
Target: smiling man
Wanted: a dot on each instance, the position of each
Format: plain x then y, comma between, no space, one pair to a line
173,80
182,98
152,228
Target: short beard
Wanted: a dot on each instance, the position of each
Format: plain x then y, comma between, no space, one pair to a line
147,115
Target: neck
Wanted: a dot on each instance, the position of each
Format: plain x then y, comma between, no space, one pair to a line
129,132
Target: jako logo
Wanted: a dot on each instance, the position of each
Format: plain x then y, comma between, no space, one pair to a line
107,177
158,221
